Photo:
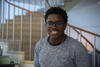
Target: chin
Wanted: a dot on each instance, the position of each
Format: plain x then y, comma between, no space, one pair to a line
54,36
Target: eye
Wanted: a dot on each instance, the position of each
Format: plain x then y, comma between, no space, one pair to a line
57,23
50,23
60,23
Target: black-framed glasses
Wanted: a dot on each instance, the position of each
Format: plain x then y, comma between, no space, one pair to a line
55,23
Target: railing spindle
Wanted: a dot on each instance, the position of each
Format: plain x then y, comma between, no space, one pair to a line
77,36
94,55
80,36
3,18
30,51
13,22
41,28
7,21
69,31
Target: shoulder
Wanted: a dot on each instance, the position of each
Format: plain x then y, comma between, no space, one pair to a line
77,48
40,43
75,44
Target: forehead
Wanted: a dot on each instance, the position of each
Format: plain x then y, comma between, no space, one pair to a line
55,17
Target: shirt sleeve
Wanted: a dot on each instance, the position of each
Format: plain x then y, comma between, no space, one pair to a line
81,57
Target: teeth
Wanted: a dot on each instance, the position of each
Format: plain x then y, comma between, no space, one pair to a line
54,32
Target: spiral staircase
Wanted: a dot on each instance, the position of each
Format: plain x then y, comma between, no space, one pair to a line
27,27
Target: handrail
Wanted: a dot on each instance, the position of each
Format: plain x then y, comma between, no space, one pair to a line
86,40
34,13
48,3
83,30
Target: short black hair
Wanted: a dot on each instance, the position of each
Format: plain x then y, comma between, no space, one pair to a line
56,10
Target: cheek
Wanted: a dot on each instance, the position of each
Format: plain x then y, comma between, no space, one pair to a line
47,29
62,29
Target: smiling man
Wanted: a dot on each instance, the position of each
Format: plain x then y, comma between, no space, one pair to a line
58,49
55,26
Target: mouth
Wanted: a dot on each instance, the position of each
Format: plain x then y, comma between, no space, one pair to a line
54,32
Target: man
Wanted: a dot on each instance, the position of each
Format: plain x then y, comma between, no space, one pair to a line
58,49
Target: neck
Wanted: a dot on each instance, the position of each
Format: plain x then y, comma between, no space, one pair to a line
57,40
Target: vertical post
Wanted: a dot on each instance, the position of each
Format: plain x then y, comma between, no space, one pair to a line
0,15
94,54
80,36
21,24
98,61
18,8
30,50
14,23
69,31
8,7
41,27
3,20
77,36
66,30
8,21
5,17
30,36
86,44
0,8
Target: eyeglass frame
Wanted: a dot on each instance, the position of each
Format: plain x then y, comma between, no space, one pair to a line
58,23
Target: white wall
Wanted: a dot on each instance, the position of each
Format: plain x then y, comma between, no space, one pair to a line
86,15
